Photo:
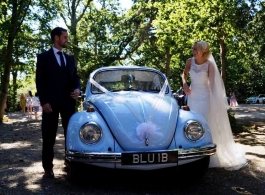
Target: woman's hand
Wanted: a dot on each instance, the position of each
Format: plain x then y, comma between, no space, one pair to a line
186,89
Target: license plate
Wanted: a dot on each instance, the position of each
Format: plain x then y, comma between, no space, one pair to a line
149,158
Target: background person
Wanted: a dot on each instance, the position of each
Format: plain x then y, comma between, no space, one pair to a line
36,103
233,101
58,87
29,102
22,103
207,96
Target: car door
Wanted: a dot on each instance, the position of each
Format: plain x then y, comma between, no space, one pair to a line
260,99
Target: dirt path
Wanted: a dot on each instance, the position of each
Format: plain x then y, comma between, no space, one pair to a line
252,117
21,170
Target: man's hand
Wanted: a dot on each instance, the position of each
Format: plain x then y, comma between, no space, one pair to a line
75,94
47,108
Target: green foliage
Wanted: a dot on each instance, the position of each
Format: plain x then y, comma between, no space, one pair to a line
233,122
235,126
156,34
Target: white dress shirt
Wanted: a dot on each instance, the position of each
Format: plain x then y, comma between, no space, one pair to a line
58,56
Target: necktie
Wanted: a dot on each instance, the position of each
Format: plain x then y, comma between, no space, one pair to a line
61,58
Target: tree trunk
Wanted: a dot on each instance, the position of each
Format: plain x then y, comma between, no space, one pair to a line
14,90
6,76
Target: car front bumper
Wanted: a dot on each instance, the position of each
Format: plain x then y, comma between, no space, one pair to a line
108,159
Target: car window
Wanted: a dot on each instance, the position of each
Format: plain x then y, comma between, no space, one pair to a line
124,80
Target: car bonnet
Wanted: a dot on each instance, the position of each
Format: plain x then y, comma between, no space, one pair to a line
139,121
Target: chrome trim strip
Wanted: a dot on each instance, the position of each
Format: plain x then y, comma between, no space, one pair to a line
114,157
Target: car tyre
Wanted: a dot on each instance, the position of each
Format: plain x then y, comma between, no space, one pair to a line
75,172
195,170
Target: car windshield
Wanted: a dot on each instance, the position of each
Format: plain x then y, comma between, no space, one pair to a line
129,80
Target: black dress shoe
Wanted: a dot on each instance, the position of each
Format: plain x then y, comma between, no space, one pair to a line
48,174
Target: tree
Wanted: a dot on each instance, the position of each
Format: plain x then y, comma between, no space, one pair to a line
178,24
11,25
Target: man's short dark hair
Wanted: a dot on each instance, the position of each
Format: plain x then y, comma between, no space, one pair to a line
57,31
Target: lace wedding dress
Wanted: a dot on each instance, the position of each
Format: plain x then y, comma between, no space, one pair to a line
211,102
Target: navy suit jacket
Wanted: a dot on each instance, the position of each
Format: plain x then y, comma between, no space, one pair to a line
49,80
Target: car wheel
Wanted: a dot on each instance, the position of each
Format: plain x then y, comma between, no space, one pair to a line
195,170
75,172
257,101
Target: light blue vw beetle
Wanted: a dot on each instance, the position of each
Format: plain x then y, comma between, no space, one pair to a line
130,120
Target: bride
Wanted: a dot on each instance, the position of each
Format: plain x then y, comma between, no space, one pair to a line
207,96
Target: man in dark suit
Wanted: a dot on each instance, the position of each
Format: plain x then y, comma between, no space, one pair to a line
58,87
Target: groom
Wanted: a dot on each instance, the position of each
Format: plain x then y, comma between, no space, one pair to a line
58,87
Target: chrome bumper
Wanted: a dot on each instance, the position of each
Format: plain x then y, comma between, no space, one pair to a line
115,157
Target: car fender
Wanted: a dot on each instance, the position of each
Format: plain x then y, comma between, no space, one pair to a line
73,141
182,141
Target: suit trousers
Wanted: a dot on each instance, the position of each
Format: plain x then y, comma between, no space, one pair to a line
49,128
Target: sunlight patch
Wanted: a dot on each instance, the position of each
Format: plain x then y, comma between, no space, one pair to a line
18,144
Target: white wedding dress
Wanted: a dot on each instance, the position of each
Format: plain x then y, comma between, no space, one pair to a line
212,104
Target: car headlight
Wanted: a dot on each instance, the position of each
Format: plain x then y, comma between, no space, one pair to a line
90,133
194,131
